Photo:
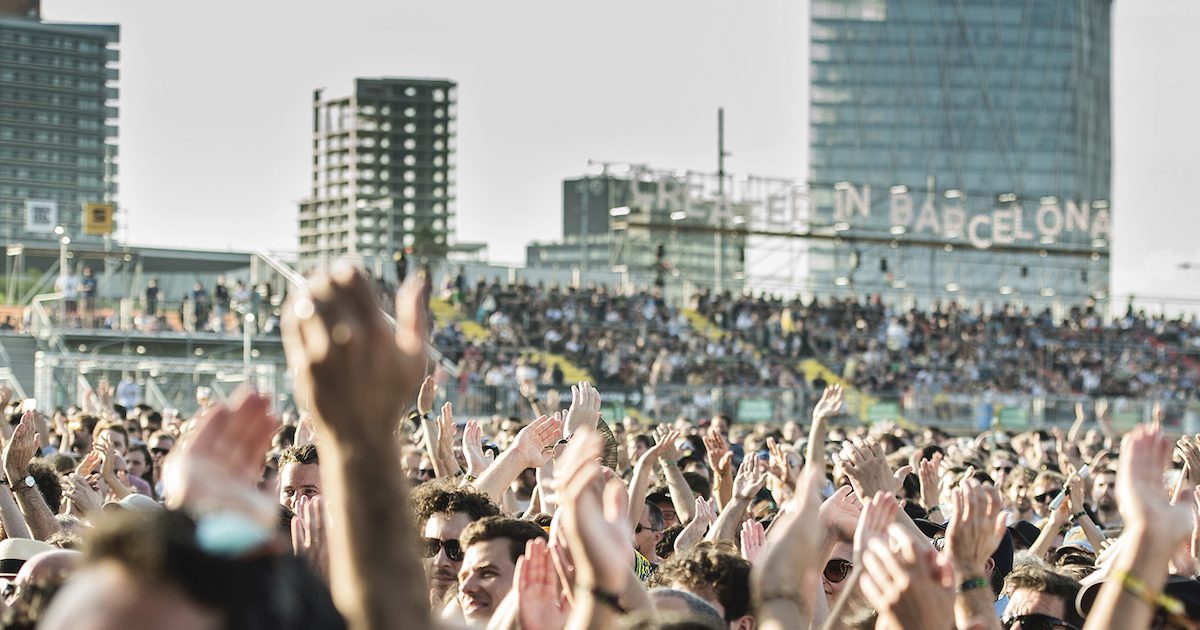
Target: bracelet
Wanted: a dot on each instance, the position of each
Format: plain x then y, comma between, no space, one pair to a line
1139,589
972,584
1078,515
669,462
608,599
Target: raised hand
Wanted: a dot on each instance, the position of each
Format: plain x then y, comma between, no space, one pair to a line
82,495
931,481
585,408
21,446
478,459
1143,501
719,457
753,538
840,513
907,583
1189,450
218,465
593,516
528,389
88,464
357,375
541,604
445,445
308,534
830,403
777,464
751,476
827,407
427,396
705,513
535,443
877,514
666,445
306,431
976,529
868,468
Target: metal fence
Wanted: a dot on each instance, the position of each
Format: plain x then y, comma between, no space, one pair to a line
958,412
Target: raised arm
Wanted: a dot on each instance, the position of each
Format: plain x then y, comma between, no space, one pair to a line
359,378
751,476
17,453
1155,530
682,497
532,447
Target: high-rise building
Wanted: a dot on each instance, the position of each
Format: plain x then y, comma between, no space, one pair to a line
58,121
961,148
382,173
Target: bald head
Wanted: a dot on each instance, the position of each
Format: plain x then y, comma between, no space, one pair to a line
49,567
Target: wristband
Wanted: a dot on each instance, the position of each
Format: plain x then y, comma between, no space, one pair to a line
972,584
1078,515
1139,589
669,462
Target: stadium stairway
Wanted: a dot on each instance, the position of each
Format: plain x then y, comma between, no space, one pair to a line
447,316
857,401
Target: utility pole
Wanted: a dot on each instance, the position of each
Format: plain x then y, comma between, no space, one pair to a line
719,280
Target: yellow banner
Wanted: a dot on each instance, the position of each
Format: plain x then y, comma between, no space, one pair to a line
97,218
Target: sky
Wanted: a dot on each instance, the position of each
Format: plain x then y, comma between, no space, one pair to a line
215,108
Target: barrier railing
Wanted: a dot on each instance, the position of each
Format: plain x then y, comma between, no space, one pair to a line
955,412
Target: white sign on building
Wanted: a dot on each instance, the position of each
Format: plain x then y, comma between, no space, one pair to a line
41,215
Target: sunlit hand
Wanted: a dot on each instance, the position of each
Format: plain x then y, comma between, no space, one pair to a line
427,396
840,513
535,442
308,534
753,538
478,459
356,373
541,604
907,583
585,408
750,478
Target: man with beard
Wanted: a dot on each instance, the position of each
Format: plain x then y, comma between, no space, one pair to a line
443,512
1019,503
1104,499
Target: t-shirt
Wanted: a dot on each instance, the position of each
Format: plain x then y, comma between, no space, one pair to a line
87,286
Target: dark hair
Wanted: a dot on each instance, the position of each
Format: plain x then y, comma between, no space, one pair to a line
440,497
147,476
303,454
286,434
706,566
516,531
45,475
665,547
1039,579
700,486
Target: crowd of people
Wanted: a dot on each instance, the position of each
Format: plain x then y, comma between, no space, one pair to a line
377,507
637,339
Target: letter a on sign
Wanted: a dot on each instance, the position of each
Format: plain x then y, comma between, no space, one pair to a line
98,218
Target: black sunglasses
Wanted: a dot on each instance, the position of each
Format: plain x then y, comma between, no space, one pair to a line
1006,469
1037,622
429,548
1045,497
837,569
426,472
639,529
160,451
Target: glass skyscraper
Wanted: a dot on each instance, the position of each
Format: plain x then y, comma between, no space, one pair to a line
961,149
58,121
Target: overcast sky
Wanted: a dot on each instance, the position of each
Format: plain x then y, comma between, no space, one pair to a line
215,108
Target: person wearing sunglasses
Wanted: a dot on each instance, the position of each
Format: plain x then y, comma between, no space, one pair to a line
1040,599
1045,487
838,567
1018,496
443,512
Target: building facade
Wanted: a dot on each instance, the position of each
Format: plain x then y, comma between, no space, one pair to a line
58,122
961,148
679,229
383,182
